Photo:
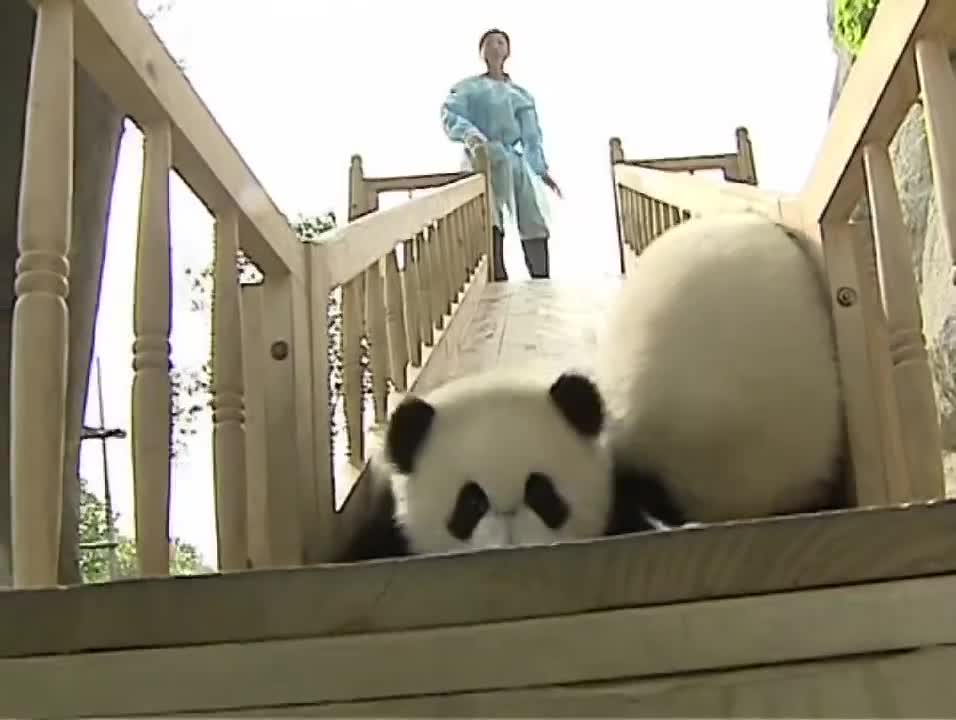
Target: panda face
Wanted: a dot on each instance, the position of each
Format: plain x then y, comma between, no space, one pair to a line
490,462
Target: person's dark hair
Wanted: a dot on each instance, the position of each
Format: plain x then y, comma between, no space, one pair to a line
493,31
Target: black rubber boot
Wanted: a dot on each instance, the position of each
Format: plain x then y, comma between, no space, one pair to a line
498,252
536,257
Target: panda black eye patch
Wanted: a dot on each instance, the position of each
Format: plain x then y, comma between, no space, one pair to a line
470,507
541,496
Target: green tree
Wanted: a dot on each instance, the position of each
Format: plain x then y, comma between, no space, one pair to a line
94,546
853,18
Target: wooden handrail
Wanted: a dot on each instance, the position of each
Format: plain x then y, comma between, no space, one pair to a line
701,194
349,249
122,52
873,103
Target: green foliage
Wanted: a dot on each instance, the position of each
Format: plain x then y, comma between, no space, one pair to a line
853,18
94,561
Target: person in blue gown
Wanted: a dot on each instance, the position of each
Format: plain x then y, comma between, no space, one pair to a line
492,110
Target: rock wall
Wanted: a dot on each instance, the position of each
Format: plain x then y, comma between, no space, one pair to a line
932,262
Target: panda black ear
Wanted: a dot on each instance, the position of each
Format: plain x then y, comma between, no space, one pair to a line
580,402
406,432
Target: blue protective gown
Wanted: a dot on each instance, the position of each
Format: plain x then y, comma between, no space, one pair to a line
502,114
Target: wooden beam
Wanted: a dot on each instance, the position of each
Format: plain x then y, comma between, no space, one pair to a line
727,560
576,649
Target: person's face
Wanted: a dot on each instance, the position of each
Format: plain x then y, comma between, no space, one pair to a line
494,51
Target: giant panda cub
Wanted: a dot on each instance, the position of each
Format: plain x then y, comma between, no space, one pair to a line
491,460
718,367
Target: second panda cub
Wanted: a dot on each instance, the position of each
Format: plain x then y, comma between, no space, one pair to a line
493,460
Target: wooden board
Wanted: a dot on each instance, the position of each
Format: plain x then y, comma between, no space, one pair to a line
536,324
727,560
584,648
912,683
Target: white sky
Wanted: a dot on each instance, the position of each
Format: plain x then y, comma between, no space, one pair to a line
300,85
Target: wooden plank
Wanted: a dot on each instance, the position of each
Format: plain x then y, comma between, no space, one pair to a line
725,560
878,93
631,643
482,344
536,324
911,683
119,48
553,327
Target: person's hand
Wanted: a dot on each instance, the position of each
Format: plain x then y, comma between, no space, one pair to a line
473,142
549,181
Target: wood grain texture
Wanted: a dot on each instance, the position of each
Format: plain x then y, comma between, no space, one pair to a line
912,683
590,647
724,560
536,324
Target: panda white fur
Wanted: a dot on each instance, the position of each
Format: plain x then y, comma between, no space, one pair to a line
718,367
491,460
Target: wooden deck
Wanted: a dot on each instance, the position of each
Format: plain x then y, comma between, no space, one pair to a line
545,324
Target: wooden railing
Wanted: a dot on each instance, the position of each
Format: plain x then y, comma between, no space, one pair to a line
892,419
666,199
405,274
408,280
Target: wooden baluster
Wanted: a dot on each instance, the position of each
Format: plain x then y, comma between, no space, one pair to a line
483,165
637,218
675,218
464,244
938,86
152,313
436,275
228,400
352,369
423,276
395,323
627,237
630,222
410,304
458,251
641,218
916,399
665,214
377,338
650,219
441,236
452,243
652,223
39,334
476,236
255,424
637,213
